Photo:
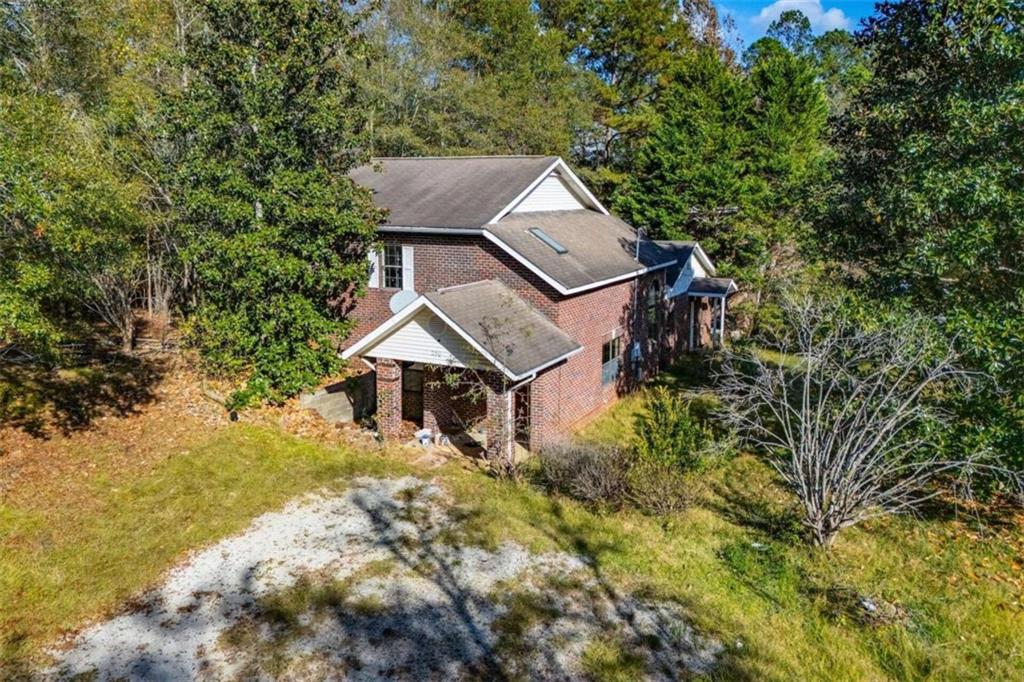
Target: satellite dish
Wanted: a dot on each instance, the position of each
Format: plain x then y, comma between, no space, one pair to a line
402,299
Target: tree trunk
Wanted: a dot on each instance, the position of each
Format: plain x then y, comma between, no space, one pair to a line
128,333
823,534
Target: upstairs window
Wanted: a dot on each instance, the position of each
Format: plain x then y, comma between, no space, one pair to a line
396,268
611,352
392,266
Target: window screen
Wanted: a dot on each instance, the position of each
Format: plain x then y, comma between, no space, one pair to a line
611,351
393,266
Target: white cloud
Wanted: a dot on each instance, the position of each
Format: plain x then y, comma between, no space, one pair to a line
821,19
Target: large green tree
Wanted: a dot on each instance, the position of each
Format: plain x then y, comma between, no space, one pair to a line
627,50
788,148
735,160
933,196
280,231
793,30
691,177
72,229
465,77
843,67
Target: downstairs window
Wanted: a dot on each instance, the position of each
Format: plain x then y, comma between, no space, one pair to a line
611,352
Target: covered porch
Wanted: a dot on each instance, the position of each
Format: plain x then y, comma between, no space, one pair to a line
707,301
462,359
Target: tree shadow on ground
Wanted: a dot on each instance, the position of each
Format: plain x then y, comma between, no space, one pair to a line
413,605
14,659
42,401
750,494
772,520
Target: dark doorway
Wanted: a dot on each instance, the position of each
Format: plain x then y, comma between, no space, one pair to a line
412,393
521,404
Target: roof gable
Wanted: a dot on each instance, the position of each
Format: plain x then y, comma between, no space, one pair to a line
426,338
552,194
468,192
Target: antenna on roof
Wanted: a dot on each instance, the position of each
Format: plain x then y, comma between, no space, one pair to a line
639,236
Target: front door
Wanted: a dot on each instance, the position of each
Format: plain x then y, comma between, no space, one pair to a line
412,393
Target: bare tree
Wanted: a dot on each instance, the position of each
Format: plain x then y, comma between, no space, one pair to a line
850,414
112,296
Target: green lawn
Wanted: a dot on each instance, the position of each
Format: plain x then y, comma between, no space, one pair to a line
66,560
734,561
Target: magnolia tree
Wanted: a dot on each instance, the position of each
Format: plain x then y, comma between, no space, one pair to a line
851,414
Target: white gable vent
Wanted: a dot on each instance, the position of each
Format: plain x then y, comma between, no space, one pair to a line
552,194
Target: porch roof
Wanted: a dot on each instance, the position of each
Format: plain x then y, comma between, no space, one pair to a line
711,286
505,330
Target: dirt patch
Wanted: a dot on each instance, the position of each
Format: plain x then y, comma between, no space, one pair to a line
114,418
362,585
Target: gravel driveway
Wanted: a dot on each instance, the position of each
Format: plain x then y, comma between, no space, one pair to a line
371,584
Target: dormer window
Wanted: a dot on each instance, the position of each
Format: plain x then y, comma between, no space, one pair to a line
549,240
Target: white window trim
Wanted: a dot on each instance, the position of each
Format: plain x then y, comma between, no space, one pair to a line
404,271
374,257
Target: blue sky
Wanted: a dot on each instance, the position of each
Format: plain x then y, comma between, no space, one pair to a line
753,16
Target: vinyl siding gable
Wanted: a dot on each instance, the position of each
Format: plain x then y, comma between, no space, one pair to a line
552,194
426,338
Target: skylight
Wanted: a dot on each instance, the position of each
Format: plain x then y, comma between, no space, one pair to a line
548,239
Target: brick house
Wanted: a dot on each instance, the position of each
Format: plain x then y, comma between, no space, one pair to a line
507,296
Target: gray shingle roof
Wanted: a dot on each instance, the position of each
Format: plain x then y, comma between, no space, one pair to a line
710,285
466,192
457,191
680,251
599,246
510,329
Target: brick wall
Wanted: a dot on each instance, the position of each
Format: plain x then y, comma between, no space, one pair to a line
389,397
565,397
443,261
450,406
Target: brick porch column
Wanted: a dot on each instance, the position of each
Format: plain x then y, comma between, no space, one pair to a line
543,410
432,398
389,397
499,424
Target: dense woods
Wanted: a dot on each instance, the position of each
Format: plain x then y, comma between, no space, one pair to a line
187,159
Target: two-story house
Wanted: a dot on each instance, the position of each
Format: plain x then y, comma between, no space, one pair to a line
509,269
